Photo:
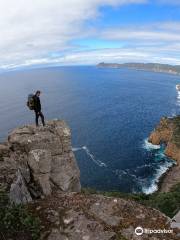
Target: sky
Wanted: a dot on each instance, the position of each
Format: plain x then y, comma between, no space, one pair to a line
86,32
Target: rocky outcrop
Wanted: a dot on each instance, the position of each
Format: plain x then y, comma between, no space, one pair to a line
168,132
163,132
36,161
77,216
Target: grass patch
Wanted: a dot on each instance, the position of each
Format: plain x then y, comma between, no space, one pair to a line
168,203
16,222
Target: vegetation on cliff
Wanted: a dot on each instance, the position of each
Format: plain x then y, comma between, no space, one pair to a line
166,202
16,221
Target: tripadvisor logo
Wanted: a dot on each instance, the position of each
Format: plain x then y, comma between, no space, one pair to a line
139,231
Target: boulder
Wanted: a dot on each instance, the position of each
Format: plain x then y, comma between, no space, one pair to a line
41,160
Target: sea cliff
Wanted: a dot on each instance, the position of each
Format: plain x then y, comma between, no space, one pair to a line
154,67
39,169
168,132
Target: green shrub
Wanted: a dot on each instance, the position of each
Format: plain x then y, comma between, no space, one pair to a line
16,222
168,203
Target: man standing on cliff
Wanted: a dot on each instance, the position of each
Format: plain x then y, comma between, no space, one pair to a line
37,108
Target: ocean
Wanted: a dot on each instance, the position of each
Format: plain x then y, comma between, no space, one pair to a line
111,113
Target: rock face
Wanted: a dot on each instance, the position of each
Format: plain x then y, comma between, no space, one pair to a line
77,216
36,161
168,132
163,132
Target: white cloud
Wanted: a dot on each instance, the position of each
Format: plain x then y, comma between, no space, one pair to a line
157,32
35,29
36,32
135,35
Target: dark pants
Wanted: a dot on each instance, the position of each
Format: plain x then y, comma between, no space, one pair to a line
39,114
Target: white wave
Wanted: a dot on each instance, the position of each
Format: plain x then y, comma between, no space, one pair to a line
96,161
178,87
160,154
149,146
75,149
178,94
142,166
149,190
173,114
154,183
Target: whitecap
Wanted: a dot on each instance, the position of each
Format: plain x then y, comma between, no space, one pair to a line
178,95
92,157
160,154
75,149
178,87
149,146
143,166
153,187
161,165
173,114
98,162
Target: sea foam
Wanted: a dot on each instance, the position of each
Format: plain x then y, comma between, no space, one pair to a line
153,187
162,164
92,157
149,146
178,95
147,185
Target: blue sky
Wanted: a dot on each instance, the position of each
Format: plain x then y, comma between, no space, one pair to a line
76,32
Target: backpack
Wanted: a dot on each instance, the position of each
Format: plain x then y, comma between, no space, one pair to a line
30,102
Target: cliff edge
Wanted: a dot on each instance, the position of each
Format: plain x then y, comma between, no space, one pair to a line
168,132
37,161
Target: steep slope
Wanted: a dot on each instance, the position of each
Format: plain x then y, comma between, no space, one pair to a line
168,132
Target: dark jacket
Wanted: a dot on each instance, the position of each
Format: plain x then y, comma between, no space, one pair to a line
37,104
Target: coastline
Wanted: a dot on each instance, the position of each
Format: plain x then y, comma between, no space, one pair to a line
164,183
151,67
168,132
170,178
145,70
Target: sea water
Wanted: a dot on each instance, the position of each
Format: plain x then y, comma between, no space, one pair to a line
111,113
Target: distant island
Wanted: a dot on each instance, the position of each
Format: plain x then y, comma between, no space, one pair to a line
154,67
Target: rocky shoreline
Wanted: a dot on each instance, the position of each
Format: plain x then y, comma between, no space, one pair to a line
168,132
163,183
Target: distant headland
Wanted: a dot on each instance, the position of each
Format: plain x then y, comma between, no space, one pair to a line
154,67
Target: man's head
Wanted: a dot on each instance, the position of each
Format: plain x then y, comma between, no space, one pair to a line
38,93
